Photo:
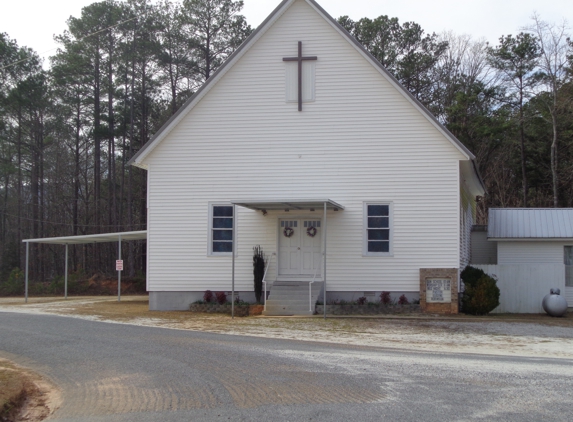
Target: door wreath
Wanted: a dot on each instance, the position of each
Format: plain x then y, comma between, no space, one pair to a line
311,231
288,231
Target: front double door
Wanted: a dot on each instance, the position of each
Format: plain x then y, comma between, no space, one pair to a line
300,248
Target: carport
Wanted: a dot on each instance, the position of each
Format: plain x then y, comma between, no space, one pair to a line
83,239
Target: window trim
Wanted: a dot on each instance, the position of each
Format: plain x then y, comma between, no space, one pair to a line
212,205
365,252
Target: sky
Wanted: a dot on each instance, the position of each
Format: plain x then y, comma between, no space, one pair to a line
33,23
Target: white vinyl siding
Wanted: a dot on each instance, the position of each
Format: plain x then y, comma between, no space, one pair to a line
523,286
534,255
526,252
359,142
483,251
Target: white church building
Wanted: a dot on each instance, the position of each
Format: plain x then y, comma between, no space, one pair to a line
304,144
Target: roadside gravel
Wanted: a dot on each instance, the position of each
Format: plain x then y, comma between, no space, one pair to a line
506,335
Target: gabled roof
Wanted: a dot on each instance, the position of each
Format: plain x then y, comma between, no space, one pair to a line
263,27
530,224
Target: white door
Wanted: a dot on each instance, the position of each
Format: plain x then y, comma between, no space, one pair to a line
300,247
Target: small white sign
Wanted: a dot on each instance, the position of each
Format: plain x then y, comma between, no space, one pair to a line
438,290
119,265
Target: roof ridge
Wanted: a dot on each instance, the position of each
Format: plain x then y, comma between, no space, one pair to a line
415,102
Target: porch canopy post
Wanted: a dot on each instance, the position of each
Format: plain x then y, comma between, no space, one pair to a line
235,226
119,272
27,265
324,273
66,275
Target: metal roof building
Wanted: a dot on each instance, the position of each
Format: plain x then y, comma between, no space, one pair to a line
530,224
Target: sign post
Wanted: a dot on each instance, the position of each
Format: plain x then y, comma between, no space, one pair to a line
119,269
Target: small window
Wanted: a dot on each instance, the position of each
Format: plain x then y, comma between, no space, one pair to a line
377,235
308,81
221,229
569,266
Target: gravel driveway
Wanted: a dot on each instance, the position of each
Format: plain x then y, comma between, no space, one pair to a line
507,335
124,372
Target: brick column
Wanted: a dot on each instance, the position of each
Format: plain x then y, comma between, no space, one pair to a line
442,307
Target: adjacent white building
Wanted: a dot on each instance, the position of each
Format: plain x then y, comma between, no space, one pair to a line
534,254
262,149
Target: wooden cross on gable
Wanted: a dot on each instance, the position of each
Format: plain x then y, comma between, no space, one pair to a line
299,59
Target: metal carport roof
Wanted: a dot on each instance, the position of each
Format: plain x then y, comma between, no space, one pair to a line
91,238
84,239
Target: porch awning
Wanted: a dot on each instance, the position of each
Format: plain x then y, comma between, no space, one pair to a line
289,204
91,238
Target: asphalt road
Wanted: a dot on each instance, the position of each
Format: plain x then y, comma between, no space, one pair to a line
115,372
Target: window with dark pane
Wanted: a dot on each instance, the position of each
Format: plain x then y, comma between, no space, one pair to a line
569,266
378,228
222,229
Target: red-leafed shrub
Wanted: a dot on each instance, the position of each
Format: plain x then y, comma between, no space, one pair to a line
221,298
208,296
385,298
403,300
361,300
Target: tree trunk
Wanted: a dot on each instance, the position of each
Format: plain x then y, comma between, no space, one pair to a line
19,187
111,141
97,140
554,160
522,139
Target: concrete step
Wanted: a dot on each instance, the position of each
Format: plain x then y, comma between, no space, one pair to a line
294,310
293,283
291,298
287,310
294,289
286,313
291,306
298,295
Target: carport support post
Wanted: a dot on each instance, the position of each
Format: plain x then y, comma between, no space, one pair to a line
324,273
119,272
66,275
233,263
27,264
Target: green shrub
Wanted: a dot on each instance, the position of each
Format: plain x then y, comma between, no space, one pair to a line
470,275
481,294
14,286
38,289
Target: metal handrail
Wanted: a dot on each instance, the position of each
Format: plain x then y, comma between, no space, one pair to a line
310,290
265,281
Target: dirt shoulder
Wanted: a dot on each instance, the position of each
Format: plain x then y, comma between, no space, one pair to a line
25,395
511,335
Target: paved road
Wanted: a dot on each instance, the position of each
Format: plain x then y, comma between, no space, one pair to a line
115,372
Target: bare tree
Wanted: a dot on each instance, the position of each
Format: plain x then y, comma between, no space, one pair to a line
553,43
